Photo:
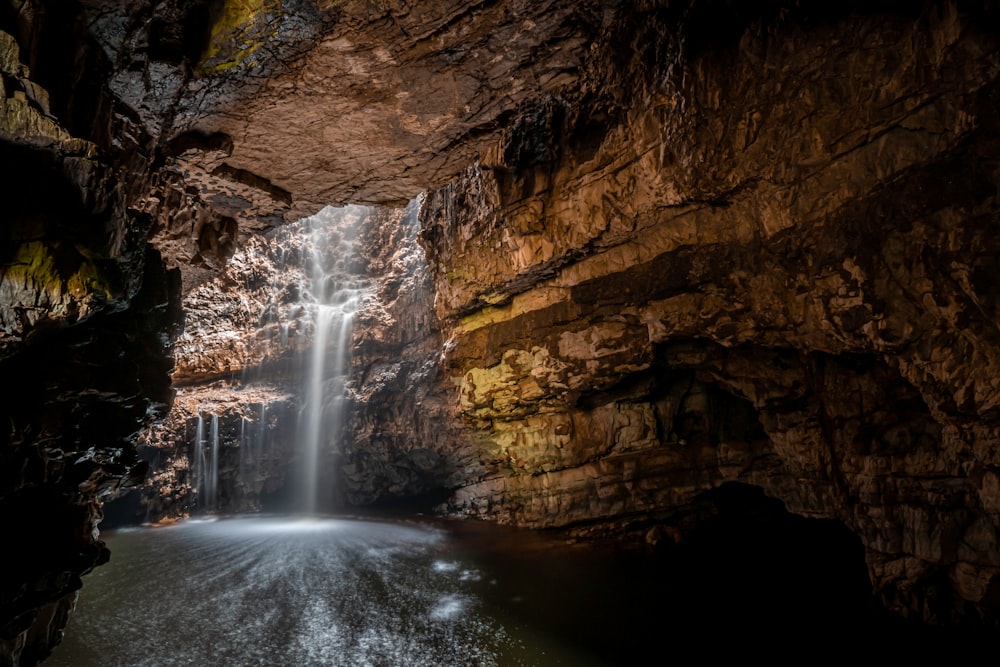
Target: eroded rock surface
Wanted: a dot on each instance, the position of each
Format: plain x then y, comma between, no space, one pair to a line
753,248
87,316
668,245
767,260
248,346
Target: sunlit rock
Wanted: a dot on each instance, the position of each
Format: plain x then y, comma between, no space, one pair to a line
626,253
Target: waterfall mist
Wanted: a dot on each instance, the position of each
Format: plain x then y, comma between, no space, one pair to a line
332,293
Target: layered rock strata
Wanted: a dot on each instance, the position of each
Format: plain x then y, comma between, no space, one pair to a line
669,245
246,350
87,315
222,449
719,252
767,259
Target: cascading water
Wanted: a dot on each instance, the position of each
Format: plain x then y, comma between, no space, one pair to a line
205,463
258,450
334,289
212,484
198,456
245,452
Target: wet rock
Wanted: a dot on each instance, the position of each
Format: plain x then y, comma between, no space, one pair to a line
87,317
668,245
248,431
696,250
750,265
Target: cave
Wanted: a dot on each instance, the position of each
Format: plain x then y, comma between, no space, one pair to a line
685,312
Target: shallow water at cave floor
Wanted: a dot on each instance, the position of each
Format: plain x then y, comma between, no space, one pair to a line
328,591
347,591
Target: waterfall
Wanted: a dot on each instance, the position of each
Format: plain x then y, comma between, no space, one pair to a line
262,434
212,488
205,463
198,456
335,288
244,450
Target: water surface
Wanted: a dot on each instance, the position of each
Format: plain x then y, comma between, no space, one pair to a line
341,591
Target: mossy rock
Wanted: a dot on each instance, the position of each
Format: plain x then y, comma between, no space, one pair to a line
43,268
242,27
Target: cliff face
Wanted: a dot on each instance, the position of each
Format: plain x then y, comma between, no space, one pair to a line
770,260
87,312
247,357
662,246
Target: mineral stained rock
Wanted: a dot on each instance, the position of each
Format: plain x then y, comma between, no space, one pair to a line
662,246
768,258
755,249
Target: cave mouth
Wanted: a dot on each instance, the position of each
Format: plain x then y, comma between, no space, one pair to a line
749,568
749,563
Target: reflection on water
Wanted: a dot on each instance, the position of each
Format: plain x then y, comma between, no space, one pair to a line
272,591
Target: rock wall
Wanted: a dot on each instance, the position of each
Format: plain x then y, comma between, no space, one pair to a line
242,359
737,243
87,316
253,443
761,252
668,245
248,342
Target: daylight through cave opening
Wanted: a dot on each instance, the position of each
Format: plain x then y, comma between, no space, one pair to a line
335,287
663,247
266,365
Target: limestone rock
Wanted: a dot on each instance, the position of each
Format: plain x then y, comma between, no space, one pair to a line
87,316
766,259
252,443
667,245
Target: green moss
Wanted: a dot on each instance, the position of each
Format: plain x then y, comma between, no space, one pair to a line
89,279
240,30
35,263
10,61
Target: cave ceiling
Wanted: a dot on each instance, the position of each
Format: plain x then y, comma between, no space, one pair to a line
667,244
271,110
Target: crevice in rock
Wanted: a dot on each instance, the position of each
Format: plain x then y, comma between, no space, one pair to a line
253,180
744,563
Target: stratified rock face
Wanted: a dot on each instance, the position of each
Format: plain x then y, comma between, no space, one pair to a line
242,362
705,242
69,251
248,344
221,449
763,252
669,245
86,318
403,441
268,110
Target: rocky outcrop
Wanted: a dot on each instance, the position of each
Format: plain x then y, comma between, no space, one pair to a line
248,346
765,259
403,442
747,248
221,449
242,361
267,111
668,245
87,314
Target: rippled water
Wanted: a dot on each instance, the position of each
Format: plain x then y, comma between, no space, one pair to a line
273,591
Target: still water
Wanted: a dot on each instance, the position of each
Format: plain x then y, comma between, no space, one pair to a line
344,591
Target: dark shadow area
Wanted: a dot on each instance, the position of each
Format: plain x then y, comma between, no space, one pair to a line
416,504
773,579
752,565
123,512
749,581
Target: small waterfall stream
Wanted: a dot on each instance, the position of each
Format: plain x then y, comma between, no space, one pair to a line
212,483
205,463
198,457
